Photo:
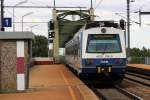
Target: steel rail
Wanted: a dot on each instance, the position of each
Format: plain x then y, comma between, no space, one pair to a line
138,75
137,81
129,94
120,90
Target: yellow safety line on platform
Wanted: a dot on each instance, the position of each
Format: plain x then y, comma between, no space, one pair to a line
70,89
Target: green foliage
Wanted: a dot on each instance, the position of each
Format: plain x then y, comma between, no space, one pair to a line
40,46
136,52
138,55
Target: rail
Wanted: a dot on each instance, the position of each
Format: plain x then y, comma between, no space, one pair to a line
115,93
139,78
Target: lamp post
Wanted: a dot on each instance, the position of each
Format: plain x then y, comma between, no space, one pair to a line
19,3
33,26
24,16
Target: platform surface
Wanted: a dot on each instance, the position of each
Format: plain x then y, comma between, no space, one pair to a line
141,66
53,82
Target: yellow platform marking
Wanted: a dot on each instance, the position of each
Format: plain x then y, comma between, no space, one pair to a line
69,87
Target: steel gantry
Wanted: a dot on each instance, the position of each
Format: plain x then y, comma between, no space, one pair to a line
65,24
142,13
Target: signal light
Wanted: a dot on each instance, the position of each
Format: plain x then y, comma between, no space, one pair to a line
51,25
122,24
51,35
50,41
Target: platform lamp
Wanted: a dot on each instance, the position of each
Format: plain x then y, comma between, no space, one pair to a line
31,27
19,3
27,14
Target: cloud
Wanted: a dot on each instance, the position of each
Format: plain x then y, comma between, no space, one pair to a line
106,11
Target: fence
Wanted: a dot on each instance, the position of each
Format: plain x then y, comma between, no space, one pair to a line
139,60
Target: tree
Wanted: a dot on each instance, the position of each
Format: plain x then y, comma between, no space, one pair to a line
40,46
138,55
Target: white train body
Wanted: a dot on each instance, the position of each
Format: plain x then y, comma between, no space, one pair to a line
97,50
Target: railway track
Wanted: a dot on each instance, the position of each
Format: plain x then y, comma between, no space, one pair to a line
115,93
139,78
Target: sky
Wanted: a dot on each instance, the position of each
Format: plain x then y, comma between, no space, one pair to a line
104,10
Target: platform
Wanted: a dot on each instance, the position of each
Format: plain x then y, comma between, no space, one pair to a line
140,68
53,82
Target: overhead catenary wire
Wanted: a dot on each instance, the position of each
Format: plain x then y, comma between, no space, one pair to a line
141,7
131,20
39,2
98,4
26,22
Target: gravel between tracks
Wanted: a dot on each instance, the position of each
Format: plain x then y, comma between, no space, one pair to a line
137,89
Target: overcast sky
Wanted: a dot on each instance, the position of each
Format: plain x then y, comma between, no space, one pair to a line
106,10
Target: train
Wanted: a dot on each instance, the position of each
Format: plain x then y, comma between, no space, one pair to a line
98,48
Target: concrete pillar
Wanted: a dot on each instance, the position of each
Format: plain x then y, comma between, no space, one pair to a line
56,39
14,60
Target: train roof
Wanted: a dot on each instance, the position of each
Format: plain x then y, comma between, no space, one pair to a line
95,24
102,24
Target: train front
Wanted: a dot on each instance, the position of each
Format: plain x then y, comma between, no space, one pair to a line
104,52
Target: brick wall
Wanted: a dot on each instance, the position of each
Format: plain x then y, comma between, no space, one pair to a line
8,65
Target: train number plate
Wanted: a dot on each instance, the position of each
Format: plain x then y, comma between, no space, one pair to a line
103,69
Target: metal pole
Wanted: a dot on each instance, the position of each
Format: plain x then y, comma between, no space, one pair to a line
140,18
13,19
91,4
54,4
24,16
91,12
128,25
22,2
2,14
22,23
48,40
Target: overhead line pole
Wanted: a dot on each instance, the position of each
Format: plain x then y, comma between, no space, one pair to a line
2,14
92,12
54,4
128,26
91,4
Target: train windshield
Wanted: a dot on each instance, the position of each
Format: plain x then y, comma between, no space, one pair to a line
103,43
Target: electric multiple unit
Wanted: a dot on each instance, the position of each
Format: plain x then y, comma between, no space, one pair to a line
97,50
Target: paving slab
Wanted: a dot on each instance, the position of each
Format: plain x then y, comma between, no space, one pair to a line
140,68
52,82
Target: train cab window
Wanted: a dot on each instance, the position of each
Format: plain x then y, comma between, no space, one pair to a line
103,43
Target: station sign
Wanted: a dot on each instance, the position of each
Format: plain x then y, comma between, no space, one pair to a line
7,22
